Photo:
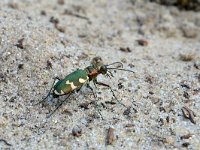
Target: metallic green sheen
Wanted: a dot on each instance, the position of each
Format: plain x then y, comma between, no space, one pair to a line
73,77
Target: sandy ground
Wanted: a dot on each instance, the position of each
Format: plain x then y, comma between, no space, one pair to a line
43,39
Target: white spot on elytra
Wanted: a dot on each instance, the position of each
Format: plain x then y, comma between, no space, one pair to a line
56,81
62,92
82,80
57,93
71,84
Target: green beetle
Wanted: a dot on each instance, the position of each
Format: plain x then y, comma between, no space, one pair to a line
78,78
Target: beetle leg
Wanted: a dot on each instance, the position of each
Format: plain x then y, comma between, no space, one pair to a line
88,86
95,103
49,93
94,81
106,85
97,108
50,114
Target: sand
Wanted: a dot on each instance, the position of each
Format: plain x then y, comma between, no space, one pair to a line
43,39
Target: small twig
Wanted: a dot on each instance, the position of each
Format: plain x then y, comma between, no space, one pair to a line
68,12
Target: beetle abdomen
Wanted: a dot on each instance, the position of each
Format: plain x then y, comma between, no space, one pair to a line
71,82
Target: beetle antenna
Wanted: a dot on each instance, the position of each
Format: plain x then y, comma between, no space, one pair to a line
115,63
122,69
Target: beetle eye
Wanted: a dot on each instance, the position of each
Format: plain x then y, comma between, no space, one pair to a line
103,69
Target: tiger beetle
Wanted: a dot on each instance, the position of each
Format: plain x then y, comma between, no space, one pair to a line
80,77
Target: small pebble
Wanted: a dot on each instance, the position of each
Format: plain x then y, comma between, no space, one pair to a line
111,137
77,131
